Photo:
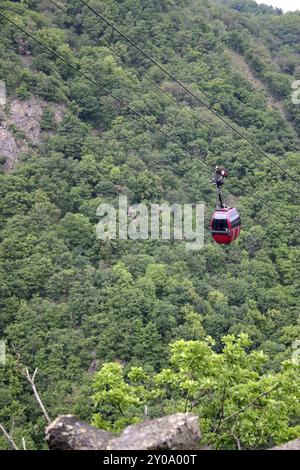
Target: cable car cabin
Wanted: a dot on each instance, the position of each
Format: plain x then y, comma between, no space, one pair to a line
225,225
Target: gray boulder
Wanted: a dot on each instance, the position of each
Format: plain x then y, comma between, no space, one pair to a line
291,445
67,433
176,432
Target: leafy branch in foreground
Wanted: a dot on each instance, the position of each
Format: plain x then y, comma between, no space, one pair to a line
238,403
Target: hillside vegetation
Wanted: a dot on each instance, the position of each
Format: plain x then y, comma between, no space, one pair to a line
115,326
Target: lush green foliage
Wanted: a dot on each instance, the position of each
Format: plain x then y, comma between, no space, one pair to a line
239,404
68,303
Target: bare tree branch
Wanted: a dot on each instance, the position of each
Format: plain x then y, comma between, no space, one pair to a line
222,409
30,379
9,438
24,444
236,440
34,374
245,407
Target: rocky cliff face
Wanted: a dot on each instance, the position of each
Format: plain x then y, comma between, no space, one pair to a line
20,127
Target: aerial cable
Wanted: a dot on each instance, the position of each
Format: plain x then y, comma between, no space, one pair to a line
145,54
170,96
87,77
137,113
106,44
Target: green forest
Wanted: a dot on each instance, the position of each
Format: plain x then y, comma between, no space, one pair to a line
117,326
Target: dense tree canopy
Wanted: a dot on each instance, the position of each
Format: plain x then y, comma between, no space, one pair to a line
239,405
72,305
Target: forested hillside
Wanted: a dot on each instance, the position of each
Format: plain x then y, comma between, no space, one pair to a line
115,326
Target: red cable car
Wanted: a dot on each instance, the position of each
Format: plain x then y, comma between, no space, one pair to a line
225,225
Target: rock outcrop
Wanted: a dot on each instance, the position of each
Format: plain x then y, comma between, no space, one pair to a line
25,118
67,433
175,432
291,445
